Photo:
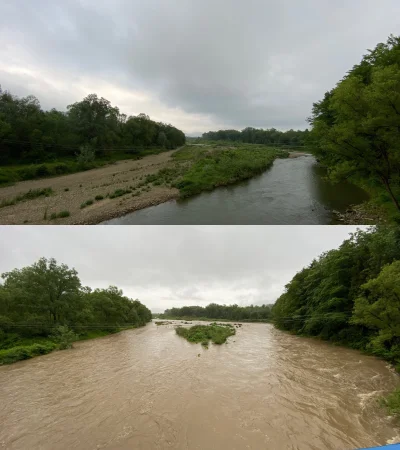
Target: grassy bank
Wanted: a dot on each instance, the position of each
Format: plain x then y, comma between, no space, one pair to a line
218,334
10,174
203,168
220,166
13,348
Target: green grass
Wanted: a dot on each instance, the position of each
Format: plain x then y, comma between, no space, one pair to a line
218,334
30,195
199,169
225,166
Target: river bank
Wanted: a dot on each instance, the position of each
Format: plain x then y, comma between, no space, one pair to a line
105,193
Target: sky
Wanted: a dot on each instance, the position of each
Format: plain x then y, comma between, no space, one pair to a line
199,65
175,266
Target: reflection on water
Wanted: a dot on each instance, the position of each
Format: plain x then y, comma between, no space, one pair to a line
150,389
292,192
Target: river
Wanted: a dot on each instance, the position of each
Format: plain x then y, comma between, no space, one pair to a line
150,389
292,192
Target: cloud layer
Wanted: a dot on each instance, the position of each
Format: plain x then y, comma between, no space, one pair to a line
198,65
166,266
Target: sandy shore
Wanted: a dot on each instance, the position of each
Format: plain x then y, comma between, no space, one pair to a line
70,191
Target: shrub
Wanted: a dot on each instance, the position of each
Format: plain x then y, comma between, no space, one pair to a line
86,155
99,197
63,214
64,336
20,353
42,171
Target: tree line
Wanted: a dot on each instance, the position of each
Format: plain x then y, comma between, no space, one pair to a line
355,127
37,299
215,311
251,135
28,134
350,295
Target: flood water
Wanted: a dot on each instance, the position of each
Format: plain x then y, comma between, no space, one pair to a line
150,389
292,192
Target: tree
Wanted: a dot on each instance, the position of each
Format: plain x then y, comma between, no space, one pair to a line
356,126
44,289
378,308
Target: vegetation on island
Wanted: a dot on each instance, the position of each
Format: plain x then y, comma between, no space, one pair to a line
350,296
35,143
217,333
213,167
355,127
44,307
252,313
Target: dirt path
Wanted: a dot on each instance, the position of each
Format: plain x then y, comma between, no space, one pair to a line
70,191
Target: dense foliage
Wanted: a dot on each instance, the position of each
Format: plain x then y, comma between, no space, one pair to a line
90,127
259,136
47,301
350,295
215,311
355,128
217,333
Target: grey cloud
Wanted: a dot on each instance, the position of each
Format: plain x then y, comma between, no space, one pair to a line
256,63
177,265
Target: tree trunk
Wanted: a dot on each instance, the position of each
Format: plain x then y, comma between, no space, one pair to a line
389,189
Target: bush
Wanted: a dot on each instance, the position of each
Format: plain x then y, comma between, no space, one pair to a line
99,197
42,171
64,336
86,155
25,352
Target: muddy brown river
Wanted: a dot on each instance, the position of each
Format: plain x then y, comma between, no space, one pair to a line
150,389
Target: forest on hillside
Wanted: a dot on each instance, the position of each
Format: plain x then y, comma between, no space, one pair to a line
227,312
355,127
46,298
252,135
29,134
350,295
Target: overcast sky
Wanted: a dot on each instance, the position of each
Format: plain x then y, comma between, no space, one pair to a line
166,266
200,65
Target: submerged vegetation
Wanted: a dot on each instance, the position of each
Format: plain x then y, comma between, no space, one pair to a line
350,296
44,307
35,143
203,334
